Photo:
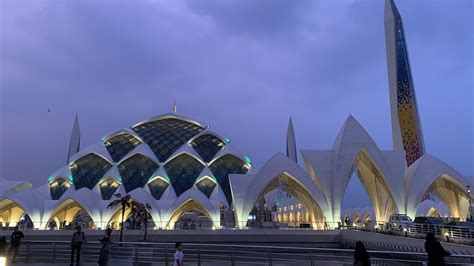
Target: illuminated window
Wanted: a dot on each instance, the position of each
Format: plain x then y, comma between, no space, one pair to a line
135,171
207,145
165,136
119,145
225,165
182,172
88,170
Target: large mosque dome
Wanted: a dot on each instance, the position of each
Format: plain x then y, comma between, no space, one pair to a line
166,155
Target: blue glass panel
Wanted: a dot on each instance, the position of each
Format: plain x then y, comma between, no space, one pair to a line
135,171
119,145
207,145
165,136
108,187
182,172
206,186
58,187
157,188
222,167
88,170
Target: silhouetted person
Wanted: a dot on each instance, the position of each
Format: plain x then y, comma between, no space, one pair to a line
15,242
78,238
178,255
348,222
436,252
3,246
361,256
104,250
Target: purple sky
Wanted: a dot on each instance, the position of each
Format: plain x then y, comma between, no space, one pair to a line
244,67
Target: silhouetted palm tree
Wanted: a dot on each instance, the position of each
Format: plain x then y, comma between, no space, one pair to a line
125,202
142,212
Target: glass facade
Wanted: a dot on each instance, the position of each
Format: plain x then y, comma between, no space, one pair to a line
165,136
88,170
206,186
222,167
135,171
207,145
157,187
182,172
119,145
58,187
108,187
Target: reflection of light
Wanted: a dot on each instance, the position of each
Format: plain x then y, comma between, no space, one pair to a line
446,234
3,261
213,227
404,229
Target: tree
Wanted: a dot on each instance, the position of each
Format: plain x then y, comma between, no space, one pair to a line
142,213
125,202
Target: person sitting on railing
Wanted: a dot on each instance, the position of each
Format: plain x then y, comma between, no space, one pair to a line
436,252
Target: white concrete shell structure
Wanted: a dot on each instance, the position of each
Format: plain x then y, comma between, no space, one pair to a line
173,163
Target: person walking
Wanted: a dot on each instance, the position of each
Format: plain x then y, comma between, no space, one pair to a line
436,252
104,250
78,238
15,242
361,256
178,255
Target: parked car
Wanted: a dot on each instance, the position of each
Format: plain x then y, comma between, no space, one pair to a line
399,222
425,224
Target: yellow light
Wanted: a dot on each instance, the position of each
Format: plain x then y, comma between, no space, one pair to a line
3,261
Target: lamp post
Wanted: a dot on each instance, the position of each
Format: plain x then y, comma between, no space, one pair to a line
469,198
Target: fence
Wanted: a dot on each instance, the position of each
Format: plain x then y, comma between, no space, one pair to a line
128,253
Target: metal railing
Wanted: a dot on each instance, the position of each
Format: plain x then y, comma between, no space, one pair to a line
446,233
216,254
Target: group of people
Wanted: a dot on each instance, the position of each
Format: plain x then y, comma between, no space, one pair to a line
79,238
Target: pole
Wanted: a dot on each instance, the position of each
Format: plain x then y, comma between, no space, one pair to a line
469,198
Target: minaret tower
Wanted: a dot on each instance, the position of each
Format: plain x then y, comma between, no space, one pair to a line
406,125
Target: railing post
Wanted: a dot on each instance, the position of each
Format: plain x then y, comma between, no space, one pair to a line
270,263
166,257
232,262
311,259
54,252
27,252
199,256
136,253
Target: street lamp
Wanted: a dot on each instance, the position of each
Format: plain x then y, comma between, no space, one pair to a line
469,198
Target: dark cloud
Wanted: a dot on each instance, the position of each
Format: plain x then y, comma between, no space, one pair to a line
244,67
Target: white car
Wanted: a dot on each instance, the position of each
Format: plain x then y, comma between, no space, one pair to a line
399,222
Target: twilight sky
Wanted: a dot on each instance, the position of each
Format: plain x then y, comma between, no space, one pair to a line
244,67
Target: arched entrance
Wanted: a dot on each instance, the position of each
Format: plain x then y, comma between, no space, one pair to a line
299,199
190,215
10,213
453,194
375,185
70,214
